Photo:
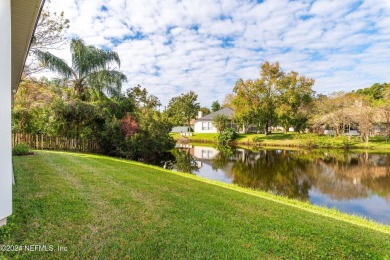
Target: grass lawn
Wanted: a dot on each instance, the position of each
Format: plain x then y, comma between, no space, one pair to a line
101,207
288,140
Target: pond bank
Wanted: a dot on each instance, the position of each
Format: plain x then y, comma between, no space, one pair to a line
353,182
79,200
289,140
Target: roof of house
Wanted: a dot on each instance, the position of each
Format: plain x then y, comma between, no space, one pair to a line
24,17
180,129
227,111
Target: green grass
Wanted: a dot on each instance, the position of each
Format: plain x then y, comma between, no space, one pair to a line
101,207
198,137
290,139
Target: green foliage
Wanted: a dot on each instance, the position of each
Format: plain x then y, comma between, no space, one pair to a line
228,135
21,149
205,110
221,159
125,126
152,140
215,106
184,161
90,69
220,122
375,92
276,97
77,118
141,99
182,109
312,140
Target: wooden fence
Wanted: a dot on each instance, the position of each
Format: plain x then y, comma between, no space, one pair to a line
46,142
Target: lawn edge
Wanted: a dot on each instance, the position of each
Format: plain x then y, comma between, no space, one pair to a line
305,206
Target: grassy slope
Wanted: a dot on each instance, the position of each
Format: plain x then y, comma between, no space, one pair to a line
103,207
287,140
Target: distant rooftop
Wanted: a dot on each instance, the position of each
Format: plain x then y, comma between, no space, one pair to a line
227,111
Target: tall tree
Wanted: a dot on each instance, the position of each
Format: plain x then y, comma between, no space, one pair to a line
383,110
364,116
182,109
90,70
274,97
335,111
243,108
259,96
215,106
142,99
295,94
266,90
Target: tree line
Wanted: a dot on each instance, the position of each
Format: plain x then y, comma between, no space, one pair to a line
87,101
287,100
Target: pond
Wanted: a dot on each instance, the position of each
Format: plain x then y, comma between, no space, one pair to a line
354,183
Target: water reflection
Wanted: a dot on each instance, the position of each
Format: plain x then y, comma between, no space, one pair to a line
184,161
356,183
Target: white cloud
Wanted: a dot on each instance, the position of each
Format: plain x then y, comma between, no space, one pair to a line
174,46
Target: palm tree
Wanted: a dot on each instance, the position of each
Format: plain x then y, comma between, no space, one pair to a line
90,69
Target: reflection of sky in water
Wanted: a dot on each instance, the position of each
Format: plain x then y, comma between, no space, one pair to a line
218,175
374,207
352,183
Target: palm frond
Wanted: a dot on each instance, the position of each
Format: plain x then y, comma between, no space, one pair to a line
54,63
108,81
88,59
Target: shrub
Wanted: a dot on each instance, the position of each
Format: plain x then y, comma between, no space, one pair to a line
21,149
228,135
220,122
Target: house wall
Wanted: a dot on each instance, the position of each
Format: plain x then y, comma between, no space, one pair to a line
202,152
198,128
5,112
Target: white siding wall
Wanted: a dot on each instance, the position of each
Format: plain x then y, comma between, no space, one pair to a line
5,112
201,152
204,127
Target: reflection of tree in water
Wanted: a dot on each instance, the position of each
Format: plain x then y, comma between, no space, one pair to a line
327,168
340,175
376,174
221,160
273,171
184,161
344,176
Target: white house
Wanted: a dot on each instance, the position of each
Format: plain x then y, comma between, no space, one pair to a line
204,124
17,23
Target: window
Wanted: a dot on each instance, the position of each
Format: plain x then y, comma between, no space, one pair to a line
207,154
207,126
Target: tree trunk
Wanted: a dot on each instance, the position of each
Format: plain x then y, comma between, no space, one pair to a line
266,128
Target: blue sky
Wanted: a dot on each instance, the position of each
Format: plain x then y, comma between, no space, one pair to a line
171,47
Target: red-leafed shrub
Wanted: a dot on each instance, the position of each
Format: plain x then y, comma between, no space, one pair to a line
129,126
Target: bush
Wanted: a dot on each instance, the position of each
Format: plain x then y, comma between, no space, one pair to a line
228,135
21,149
